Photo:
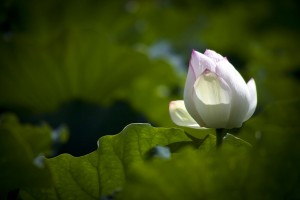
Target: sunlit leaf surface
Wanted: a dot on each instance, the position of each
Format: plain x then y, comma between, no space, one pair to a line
105,170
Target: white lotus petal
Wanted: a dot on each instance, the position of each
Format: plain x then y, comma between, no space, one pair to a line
240,93
214,116
211,90
188,93
200,62
252,98
191,108
180,115
212,100
213,55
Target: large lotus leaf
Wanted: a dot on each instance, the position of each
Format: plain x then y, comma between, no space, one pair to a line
232,173
105,170
190,175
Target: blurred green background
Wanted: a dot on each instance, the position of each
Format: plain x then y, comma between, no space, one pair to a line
98,65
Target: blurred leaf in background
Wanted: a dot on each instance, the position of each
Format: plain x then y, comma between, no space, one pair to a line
23,148
74,55
51,59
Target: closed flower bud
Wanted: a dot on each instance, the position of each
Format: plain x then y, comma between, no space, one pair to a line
215,94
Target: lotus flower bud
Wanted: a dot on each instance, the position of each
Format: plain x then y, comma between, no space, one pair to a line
215,94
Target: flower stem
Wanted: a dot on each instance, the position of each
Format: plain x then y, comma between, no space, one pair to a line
220,134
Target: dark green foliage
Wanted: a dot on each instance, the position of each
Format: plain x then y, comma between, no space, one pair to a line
22,151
